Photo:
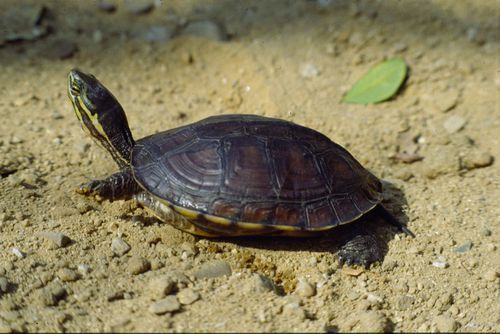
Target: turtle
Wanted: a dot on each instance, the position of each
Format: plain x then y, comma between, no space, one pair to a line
233,174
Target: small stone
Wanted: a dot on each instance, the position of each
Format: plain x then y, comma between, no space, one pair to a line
465,247
213,269
106,6
305,289
57,239
115,295
309,70
405,302
440,264
159,33
206,29
476,159
445,101
161,286
83,269
4,285
374,299
445,324
485,232
365,321
166,305
262,284
491,275
17,252
138,265
454,123
441,159
188,296
138,7
119,246
67,275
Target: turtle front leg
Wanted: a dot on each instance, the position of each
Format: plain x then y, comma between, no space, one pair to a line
364,248
120,185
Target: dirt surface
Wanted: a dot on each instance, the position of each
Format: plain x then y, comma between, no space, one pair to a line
70,263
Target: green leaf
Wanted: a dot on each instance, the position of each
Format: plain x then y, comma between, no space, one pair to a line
379,84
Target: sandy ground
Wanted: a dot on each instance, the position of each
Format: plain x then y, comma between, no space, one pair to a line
69,263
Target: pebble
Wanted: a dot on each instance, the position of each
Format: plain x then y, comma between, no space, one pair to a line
83,269
106,6
67,275
454,123
213,269
441,159
262,284
4,285
159,33
17,252
119,246
206,29
476,159
375,299
440,264
309,70
166,305
485,232
445,101
305,289
368,321
445,324
405,302
138,265
57,239
491,275
160,287
465,247
187,296
138,7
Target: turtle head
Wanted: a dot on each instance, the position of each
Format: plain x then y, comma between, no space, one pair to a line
101,115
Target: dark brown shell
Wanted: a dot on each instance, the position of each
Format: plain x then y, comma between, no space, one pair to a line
253,169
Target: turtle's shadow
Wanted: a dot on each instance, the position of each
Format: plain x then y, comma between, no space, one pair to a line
331,240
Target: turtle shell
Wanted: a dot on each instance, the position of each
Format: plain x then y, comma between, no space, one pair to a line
254,172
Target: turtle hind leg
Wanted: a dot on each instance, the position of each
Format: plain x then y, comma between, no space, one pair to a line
363,248
120,185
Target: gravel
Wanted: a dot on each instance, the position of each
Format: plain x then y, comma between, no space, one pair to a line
465,247
454,123
4,285
445,324
138,265
309,70
305,288
187,296
365,321
139,7
166,305
19,253
213,269
119,246
207,29
57,239
161,286
440,264
491,275
476,159
67,275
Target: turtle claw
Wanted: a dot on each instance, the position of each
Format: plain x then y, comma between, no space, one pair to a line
90,188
